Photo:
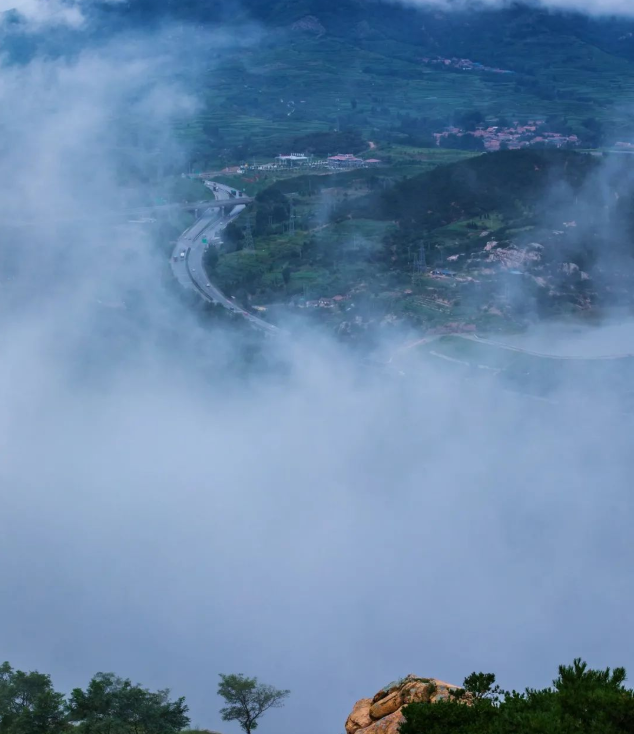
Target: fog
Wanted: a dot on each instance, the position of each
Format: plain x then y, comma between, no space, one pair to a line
170,512
42,13
593,7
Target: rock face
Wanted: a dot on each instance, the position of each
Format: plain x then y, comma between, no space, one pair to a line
382,714
360,716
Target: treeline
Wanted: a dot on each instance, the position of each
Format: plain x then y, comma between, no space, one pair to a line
111,705
507,182
30,705
580,701
503,182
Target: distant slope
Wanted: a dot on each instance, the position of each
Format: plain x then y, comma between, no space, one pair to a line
286,68
507,182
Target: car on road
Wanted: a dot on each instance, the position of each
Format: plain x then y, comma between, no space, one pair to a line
208,285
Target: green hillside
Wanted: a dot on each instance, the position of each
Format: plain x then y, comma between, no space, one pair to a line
322,66
276,71
492,240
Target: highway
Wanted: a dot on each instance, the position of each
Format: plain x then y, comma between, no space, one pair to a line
189,270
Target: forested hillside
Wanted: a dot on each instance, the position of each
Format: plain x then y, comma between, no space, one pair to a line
288,68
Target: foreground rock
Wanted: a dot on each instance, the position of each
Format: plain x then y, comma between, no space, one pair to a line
382,714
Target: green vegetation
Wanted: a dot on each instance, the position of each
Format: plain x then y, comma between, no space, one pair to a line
580,701
111,705
30,705
324,79
247,700
490,241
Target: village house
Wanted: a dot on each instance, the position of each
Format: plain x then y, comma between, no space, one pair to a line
345,160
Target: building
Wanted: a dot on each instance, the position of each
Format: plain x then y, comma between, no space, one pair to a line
293,159
345,160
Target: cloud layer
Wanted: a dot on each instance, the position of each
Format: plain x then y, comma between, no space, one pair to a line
39,13
593,7
171,511
42,13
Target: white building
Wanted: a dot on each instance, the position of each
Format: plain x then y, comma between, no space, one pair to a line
293,159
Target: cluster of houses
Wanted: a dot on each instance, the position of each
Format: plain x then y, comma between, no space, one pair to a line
464,64
514,137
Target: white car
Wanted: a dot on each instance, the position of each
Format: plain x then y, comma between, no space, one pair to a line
208,285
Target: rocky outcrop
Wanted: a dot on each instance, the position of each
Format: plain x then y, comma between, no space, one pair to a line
386,705
387,725
360,716
382,714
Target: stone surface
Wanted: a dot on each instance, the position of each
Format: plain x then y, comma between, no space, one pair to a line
387,725
382,714
386,705
360,716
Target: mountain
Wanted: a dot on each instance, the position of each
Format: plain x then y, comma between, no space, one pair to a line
302,66
269,72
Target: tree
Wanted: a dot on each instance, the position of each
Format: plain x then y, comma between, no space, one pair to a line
247,699
286,275
29,704
210,259
581,701
233,237
479,687
112,705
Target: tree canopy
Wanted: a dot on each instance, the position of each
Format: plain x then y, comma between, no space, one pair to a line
247,700
112,704
580,701
109,705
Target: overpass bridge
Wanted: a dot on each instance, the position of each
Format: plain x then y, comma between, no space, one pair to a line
191,206
198,205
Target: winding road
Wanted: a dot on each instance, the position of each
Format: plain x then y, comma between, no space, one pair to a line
187,257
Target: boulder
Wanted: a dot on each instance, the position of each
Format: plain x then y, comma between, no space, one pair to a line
360,716
387,725
382,714
417,691
386,705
